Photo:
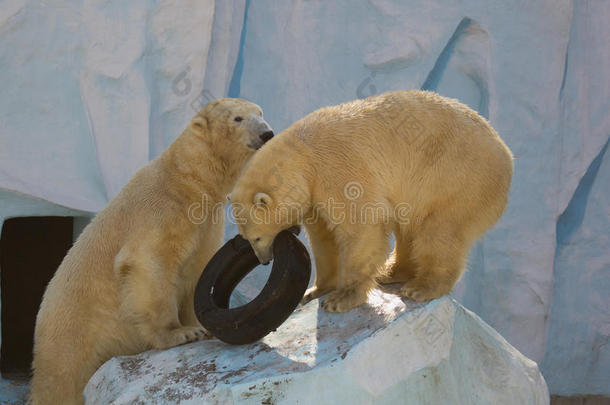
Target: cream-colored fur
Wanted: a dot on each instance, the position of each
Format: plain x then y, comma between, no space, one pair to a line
128,282
413,163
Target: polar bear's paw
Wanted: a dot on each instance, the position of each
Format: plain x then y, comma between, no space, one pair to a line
343,300
416,293
187,334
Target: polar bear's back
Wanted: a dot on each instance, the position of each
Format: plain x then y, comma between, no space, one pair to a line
414,146
411,130
410,118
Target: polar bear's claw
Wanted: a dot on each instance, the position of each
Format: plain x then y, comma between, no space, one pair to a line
343,300
188,334
417,294
311,294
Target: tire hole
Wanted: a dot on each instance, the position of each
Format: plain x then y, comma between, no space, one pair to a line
250,286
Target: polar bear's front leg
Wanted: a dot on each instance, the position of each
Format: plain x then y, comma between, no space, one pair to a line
187,310
361,255
325,254
400,267
149,301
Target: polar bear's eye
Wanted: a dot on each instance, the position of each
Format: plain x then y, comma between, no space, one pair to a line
257,239
238,119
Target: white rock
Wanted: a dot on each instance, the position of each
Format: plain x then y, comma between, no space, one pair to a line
386,352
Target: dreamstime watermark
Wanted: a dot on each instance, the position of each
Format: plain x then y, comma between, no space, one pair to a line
352,209
367,87
206,210
182,86
426,321
353,190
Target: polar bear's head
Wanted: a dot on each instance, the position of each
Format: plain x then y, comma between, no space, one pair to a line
234,122
256,222
269,197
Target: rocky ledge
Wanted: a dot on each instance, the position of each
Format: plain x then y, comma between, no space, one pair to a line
388,351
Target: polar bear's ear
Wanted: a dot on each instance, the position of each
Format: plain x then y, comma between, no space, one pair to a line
262,199
199,123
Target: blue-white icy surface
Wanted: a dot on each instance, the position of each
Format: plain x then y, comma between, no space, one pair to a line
93,90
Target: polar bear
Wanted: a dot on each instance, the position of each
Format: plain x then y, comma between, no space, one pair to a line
127,284
424,167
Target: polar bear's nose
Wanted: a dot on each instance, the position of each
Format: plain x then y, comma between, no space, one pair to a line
265,136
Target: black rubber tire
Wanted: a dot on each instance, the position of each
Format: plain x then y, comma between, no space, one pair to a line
278,299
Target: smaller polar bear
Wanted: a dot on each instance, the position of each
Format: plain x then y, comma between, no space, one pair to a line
127,285
424,167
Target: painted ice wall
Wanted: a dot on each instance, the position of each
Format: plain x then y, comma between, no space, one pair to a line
92,90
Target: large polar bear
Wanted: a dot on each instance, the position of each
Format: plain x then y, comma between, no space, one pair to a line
128,282
424,167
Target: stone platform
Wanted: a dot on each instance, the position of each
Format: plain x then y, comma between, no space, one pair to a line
389,351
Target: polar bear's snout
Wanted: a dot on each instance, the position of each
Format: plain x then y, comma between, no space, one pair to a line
260,130
265,136
263,249
264,258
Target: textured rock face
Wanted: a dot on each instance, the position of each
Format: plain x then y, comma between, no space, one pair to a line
388,351
110,84
92,90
